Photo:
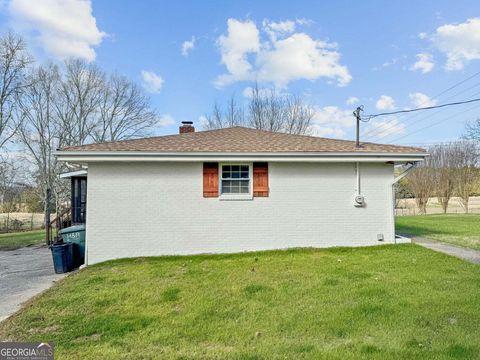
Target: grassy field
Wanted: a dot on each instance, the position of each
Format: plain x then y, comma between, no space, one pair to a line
462,230
17,240
385,302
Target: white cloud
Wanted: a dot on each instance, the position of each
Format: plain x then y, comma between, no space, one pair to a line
385,127
424,63
352,100
390,63
151,81
304,21
333,115
274,29
422,35
166,120
63,28
459,42
243,38
385,103
248,92
203,121
331,121
421,100
323,131
301,57
278,60
187,46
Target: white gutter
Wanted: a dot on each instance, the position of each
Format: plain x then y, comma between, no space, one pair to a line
190,154
103,156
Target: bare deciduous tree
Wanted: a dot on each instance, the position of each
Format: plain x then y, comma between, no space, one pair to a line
442,160
420,182
473,130
123,112
73,106
235,114
466,171
14,60
78,100
232,116
298,116
266,110
8,176
41,131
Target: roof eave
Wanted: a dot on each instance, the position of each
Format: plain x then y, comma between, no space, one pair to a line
116,156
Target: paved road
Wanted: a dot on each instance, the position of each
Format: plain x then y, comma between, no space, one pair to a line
24,273
460,252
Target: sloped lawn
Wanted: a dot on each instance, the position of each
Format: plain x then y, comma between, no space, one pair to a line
461,230
386,302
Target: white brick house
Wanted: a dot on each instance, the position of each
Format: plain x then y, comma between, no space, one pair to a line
235,190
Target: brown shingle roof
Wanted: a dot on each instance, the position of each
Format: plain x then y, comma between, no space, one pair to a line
240,140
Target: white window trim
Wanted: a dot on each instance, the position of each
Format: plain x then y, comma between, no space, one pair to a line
236,197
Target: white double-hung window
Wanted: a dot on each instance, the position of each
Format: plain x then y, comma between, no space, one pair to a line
235,180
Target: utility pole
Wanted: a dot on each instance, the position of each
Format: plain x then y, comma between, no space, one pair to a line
358,116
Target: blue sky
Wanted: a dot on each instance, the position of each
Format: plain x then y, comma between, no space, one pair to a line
385,55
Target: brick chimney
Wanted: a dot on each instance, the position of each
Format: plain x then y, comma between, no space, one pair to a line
187,127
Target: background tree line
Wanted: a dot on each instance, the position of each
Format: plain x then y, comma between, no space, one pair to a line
451,170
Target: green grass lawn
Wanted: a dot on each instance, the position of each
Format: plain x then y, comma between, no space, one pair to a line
385,302
462,230
17,240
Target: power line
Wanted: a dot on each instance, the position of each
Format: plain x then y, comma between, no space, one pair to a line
376,132
386,129
419,109
424,118
457,84
436,123
434,143
393,123
372,132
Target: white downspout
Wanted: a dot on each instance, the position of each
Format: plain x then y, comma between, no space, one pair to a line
358,178
358,200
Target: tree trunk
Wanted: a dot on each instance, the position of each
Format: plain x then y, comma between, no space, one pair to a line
47,216
464,201
443,200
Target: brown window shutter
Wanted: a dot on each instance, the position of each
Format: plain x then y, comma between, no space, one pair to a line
210,180
260,179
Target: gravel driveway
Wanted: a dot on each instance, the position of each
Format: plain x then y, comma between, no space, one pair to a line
24,273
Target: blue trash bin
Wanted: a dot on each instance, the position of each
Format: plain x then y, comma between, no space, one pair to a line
76,236
62,255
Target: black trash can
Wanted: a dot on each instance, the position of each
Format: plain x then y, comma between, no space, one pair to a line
62,255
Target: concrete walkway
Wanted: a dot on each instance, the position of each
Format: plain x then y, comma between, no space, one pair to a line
24,273
470,255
